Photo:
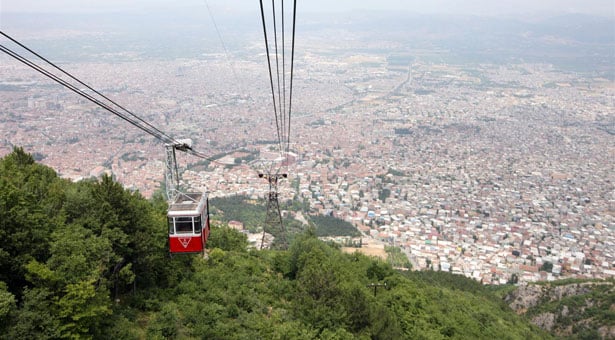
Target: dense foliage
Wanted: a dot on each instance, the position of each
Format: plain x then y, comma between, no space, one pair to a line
581,309
396,258
68,250
238,208
252,214
89,260
331,226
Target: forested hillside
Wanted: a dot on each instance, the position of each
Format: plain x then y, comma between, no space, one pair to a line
71,252
252,214
89,260
577,309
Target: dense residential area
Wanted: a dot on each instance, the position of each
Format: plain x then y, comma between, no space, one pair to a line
487,181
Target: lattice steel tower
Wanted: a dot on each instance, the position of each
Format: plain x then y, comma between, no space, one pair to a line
273,219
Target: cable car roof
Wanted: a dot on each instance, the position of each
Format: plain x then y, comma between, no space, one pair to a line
187,204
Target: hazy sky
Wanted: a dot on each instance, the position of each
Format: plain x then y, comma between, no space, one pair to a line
476,7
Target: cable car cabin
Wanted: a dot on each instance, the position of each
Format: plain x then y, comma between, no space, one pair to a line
188,217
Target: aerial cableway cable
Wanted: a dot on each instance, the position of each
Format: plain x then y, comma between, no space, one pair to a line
292,69
157,131
275,110
282,98
226,51
127,115
277,66
82,93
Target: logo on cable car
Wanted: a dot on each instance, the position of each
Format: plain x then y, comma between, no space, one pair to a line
184,241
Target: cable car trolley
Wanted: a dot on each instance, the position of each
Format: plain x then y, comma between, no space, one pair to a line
188,223
188,213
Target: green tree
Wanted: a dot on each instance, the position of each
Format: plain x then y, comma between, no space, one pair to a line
227,239
332,226
397,258
75,275
7,305
319,299
166,323
379,270
135,228
358,308
30,197
36,317
384,194
546,267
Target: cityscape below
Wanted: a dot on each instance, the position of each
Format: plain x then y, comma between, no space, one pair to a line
491,166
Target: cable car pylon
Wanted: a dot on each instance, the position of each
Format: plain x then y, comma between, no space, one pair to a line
273,218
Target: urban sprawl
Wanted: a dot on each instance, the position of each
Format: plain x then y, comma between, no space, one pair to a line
496,172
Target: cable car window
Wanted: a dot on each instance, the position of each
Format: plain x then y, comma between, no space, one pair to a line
197,224
183,225
171,226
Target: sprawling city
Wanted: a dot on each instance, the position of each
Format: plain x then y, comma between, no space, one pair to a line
487,165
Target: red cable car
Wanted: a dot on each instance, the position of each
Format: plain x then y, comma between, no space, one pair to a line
188,213
188,217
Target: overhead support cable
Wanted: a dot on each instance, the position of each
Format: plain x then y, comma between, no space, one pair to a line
277,66
284,115
226,52
126,115
86,85
83,94
275,111
292,68
282,100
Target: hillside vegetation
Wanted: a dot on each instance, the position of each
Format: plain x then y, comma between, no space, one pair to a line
89,260
575,309
252,214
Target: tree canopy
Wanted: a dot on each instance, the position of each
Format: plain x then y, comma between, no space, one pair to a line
90,260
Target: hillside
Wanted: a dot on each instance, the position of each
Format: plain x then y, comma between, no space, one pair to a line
252,214
576,309
89,260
